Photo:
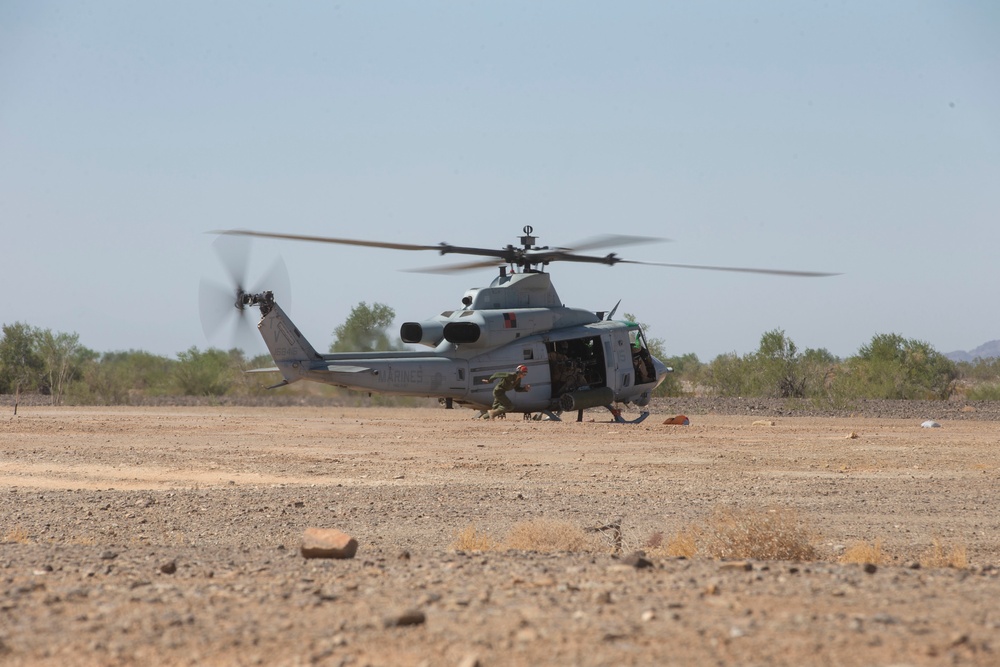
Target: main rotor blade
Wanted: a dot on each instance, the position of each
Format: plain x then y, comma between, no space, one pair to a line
512,255
325,239
507,254
612,241
530,257
775,272
454,268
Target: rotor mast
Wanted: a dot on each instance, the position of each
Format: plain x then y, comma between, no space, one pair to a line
528,242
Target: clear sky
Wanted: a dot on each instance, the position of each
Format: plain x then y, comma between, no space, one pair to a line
854,137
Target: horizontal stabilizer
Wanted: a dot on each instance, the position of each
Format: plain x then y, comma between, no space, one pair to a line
272,369
333,368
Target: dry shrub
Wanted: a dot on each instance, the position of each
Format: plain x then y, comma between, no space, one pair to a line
730,533
862,552
654,542
547,535
469,539
684,543
939,555
680,545
17,534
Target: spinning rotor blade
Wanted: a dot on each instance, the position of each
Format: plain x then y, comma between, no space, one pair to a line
234,255
533,256
509,254
527,257
217,308
220,305
775,272
613,241
455,268
224,324
275,280
443,248
217,303
325,239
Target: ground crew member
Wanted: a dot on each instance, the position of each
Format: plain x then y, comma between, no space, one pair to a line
505,382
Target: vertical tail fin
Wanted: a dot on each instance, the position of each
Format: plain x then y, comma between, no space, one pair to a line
292,353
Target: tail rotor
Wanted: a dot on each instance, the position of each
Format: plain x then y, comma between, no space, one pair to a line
223,307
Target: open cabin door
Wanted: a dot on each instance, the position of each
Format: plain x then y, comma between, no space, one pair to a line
577,363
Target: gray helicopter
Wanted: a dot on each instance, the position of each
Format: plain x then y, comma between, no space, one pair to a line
576,358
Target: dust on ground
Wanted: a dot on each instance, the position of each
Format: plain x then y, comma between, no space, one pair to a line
170,535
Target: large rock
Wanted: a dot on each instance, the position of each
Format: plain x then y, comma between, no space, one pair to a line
328,543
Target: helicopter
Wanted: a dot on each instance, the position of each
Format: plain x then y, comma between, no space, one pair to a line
576,359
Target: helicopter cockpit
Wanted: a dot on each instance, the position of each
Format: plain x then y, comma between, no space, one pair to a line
642,360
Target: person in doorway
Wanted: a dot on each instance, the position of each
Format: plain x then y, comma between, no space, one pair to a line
504,383
639,357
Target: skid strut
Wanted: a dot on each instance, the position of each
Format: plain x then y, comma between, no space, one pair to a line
617,414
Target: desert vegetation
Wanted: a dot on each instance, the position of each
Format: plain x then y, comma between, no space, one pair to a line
541,535
728,533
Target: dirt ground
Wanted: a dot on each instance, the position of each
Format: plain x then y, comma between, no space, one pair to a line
171,536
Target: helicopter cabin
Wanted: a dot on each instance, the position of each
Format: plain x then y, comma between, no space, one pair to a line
617,358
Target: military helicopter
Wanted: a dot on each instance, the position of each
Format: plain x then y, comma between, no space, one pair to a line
576,358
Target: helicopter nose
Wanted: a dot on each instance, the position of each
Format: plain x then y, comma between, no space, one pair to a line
661,370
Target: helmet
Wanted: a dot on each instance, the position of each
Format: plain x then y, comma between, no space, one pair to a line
522,369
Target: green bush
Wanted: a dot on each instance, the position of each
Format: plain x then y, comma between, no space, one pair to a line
64,360
980,379
208,373
893,367
980,370
102,384
22,368
984,392
818,367
774,365
365,330
117,378
775,370
729,375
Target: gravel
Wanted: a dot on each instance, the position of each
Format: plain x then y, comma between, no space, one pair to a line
172,535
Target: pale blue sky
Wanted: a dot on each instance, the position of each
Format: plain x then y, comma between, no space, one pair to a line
855,137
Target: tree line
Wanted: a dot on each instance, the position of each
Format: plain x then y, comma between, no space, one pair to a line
887,367
57,365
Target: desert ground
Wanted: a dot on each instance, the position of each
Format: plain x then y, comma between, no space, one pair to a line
171,536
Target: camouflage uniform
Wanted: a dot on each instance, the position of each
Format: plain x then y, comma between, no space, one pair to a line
507,381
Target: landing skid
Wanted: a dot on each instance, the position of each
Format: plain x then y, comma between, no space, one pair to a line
615,413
